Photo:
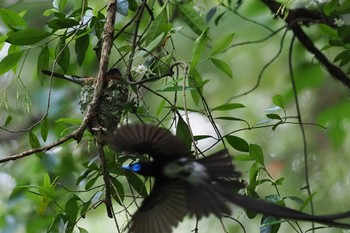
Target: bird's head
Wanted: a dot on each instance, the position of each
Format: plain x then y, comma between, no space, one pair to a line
142,168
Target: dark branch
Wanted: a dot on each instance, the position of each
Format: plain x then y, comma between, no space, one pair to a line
293,18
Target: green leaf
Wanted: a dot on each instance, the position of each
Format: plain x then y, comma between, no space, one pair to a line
82,230
230,119
222,44
192,18
279,181
12,20
344,33
62,23
307,201
243,157
117,191
71,208
229,106
273,116
254,175
201,137
43,203
270,224
194,81
256,153
344,58
81,46
10,61
136,182
43,63
85,208
151,46
73,121
33,140
278,101
199,46
297,200
155,43
157,26
59,4
8,120
211,14
44,129
63,54
330,7
223,66
160,107
26,36
91,182
183,132
237,143
47,180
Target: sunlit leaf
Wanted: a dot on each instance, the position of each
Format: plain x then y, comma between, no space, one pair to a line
256,153
157,26
222,66
198,48
222,44
278,101
10,61
192,18
73,121
12,19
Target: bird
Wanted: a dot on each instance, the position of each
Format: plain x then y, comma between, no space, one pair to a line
184,185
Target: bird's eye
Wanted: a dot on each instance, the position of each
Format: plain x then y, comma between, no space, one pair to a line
136,167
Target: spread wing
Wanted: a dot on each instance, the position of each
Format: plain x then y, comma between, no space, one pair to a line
163,209
159,143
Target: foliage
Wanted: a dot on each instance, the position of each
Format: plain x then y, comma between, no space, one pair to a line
183,62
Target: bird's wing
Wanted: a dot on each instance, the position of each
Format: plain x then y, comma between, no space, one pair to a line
219,165
163,209
159,143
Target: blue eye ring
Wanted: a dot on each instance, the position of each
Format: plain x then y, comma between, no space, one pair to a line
136,167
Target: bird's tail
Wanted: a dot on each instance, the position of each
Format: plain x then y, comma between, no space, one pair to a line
262,207
72,78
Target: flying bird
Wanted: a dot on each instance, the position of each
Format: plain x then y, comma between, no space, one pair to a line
185,185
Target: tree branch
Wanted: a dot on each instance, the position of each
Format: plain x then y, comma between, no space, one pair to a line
293,18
